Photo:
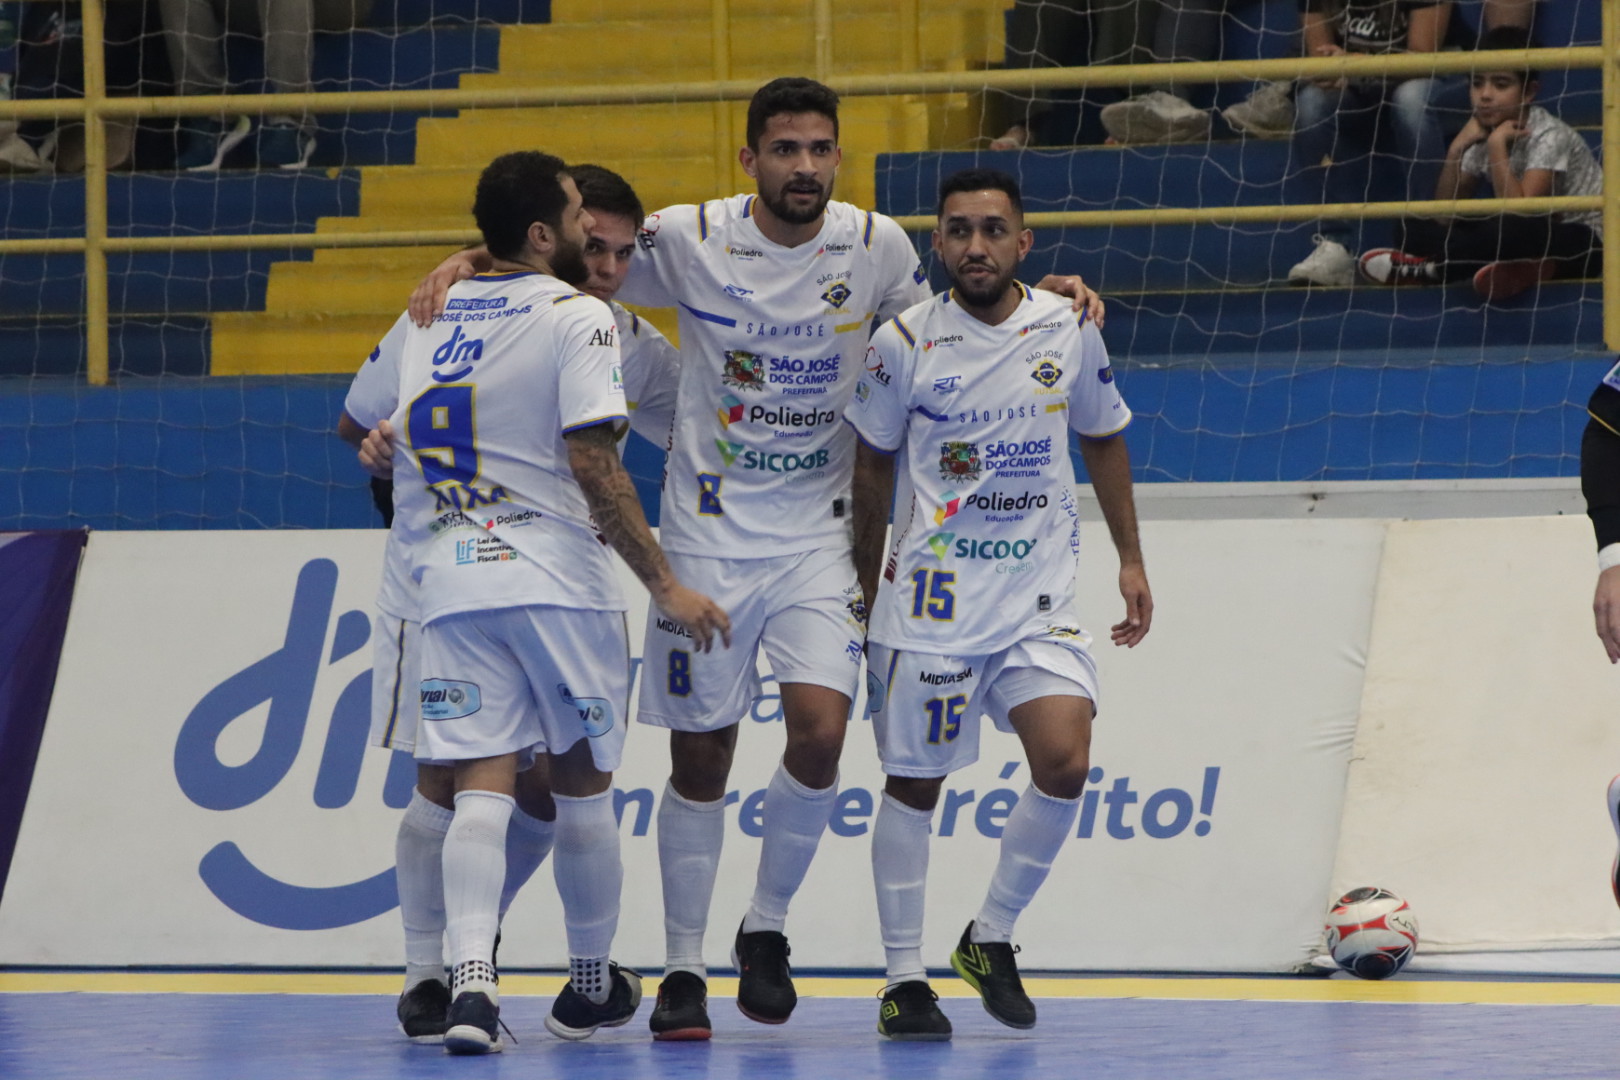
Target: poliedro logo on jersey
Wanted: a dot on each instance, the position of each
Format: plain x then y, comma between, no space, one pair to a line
1000,503
730,411
785,417
940,544
744,370
835,249
959,461
950,503
940,342
838,295
1043,327
447,699
737,251
1046,373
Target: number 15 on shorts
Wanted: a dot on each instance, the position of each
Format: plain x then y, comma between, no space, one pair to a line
945,717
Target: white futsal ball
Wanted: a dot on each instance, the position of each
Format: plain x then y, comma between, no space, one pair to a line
1371,932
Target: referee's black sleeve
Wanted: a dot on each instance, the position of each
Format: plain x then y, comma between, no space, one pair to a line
1600,464
382,496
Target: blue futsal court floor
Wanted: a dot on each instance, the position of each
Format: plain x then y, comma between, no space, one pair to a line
259,1026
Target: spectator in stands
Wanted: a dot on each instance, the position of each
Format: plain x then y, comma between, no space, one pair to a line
1191,30
1518,149
1069,33
1516,13
1338,120
195,31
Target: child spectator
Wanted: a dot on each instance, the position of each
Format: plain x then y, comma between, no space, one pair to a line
1518,149
1338,120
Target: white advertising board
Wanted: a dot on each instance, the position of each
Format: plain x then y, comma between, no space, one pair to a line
204,796
1490,729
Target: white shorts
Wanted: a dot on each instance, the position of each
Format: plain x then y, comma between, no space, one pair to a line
925,708
396,664
805,610
518,679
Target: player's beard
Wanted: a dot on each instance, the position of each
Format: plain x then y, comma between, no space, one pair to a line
982,295
785,211
568,263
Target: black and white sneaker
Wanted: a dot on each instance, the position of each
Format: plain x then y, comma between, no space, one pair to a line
473,1025
574,1016
910,1013
991,970
682,1013
764,978
422,1011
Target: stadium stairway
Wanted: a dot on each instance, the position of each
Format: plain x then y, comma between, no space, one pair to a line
320,314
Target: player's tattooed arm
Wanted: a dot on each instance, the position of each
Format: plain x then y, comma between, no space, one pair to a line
1108,463
427,299
873,492
594,457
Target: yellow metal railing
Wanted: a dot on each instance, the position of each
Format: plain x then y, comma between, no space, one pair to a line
95,108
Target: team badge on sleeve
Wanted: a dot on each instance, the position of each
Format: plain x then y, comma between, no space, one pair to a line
959,461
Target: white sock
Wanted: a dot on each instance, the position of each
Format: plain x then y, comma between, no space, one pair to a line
474,866
795,818
1035,831
590,978
690,835
528,842
589,876
419,874
900,870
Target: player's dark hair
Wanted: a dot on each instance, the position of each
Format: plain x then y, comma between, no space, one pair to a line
1507,37
607,191
980,180
790,94
514,192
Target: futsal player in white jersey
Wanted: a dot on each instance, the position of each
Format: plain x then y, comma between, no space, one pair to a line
776,292
650,366
970,398
507,489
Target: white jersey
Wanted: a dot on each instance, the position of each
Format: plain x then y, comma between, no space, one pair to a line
484,498
986,530
651,367
651,371
770,339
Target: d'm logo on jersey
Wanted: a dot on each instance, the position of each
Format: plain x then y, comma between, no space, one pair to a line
1046,373
744,370
959,461
837,295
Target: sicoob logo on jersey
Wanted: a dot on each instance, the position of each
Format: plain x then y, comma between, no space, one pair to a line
744,370
1046,373
959,461
837,295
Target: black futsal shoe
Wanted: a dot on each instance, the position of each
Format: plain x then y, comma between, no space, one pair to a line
764,979
991,970
575,1016
473,1025
422,1010
682,1012
910,1013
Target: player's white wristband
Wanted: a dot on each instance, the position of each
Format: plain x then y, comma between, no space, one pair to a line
1608,557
